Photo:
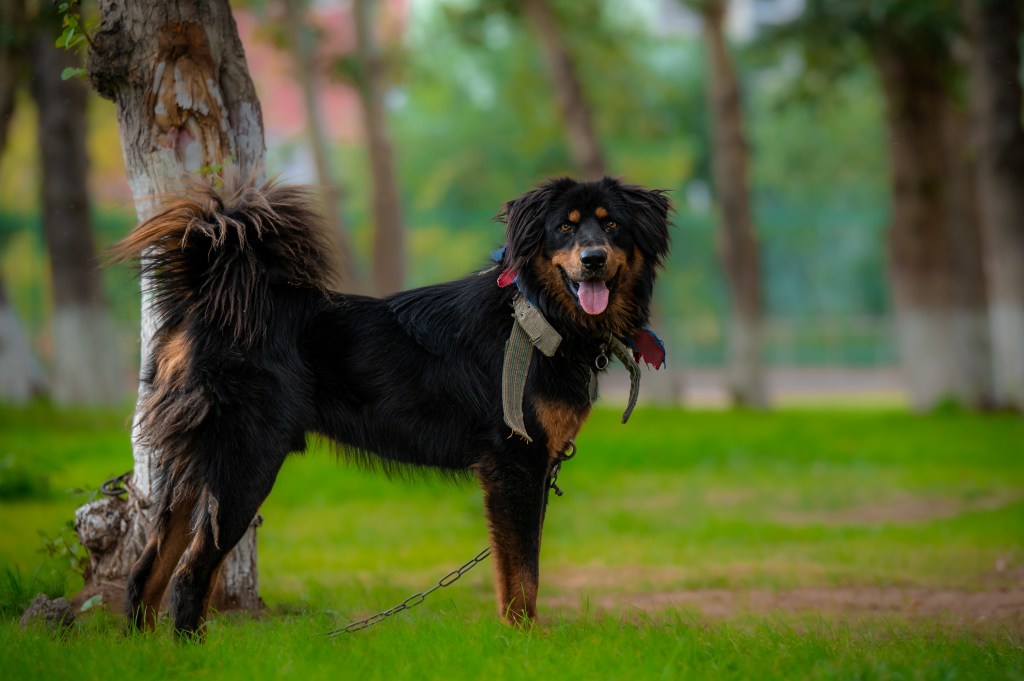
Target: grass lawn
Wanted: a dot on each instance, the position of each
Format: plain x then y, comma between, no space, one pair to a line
718,545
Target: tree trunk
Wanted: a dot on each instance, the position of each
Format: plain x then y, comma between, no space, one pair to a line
737,241
21,377
573,106
185,103
12,61
996,97
920,259
972,378
388,233
86,368
305,74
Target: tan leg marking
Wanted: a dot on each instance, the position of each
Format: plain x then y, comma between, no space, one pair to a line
170,546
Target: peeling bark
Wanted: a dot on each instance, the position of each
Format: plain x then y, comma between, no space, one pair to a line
388,231
996,98
572,104
185,104
738,247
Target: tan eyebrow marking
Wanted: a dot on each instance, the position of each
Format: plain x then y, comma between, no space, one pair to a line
601,213
574,216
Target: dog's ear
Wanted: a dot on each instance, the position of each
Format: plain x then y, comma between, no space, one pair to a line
524,222
650,210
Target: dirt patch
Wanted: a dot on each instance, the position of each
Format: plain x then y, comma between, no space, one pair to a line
964,608
904,509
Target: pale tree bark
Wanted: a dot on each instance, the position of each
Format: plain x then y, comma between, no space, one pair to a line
972,379
920,258
185,102
86,366
738,245
388,231
319,146
572,104
996,97
21,376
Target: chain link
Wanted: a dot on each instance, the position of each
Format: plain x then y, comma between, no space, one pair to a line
415,599
116,486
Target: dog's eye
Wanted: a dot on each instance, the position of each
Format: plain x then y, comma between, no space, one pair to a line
565,227
610,225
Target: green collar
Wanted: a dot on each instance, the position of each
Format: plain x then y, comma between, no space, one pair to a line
531,330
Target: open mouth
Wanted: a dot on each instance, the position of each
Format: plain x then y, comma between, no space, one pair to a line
592,294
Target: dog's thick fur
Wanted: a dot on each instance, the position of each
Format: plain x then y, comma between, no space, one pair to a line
255,349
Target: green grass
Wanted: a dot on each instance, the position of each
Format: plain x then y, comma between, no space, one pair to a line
674,501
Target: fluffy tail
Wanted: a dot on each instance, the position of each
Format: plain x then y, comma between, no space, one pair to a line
214,262
215,255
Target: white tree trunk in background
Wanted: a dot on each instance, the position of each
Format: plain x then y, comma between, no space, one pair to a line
21,377
86,366
996,96
737,241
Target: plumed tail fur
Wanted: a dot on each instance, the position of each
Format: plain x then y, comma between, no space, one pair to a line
214,255
215,262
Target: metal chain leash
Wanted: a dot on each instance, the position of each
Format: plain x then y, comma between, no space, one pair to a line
454,575
116,486
415,599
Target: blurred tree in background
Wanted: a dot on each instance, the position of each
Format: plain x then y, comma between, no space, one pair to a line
86,362
741,260
995,31
371,80
300,39
838,98
933,253
21,377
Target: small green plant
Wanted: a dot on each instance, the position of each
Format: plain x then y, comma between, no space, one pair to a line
74,35
64,549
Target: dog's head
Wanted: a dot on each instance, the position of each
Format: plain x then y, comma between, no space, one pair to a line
587,252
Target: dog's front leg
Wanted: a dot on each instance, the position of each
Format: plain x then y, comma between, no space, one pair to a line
515,489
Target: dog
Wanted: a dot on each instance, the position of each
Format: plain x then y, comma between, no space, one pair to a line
254,349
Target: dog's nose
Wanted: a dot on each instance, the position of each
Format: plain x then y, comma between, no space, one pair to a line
593,258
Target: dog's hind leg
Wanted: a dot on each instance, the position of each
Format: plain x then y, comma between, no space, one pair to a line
232,504
152,571
515,491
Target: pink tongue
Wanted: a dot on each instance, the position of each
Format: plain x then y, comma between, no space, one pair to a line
593,296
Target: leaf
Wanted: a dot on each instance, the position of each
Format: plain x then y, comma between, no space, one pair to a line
91,602
70,72
64,37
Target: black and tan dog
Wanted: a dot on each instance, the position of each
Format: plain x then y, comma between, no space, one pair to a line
254,350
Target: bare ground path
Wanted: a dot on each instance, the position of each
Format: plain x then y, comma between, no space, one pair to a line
994,607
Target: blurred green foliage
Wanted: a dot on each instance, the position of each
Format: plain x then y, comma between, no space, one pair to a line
474,123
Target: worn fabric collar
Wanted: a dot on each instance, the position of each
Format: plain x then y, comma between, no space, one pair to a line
531,330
